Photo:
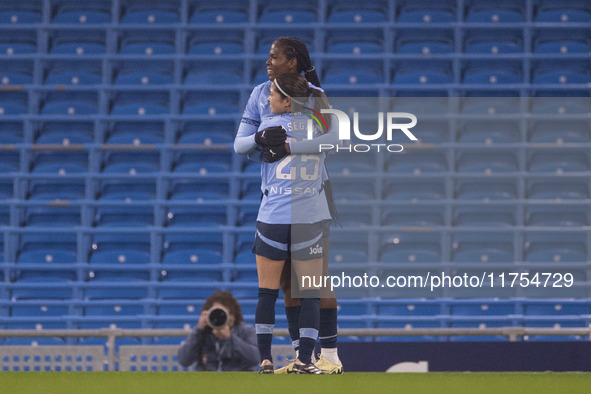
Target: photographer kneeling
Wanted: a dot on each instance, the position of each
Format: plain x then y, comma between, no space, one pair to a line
221,341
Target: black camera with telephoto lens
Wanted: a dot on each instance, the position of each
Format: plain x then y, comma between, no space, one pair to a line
217,316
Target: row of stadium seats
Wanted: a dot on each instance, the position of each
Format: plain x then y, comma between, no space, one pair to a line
304,11
88,43
465,161
159,76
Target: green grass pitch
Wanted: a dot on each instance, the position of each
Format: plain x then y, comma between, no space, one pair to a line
236,382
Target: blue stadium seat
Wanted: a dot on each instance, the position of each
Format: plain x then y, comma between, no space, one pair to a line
202,163
480,189
18,42
21,12
345,190
556,216
65,133
233,11
70,104
151,76
210,103
566,105
251,190
504,11
414,216
4,221
157,12
194,216
124,216
207,132
484,217
482,307
483,248
78,42
130,162
354,215
74,74
569,41
554,74
192,256
485,162
558,307
351,11
71,11
555,247
220,43
9,162
6,189
16,73
551,189
56,190
140,104
348,42
52,216
120,241
248,215
348,247
488,133
411,248
246,258
491,73
493,42
120,256
128,190
48,242
129,133
61,163
123,309
408,308
558,162
301,12
427,11
426,42
353,73
570,132
427,131
197,191
187,241
228,73
45,309
423,73
146,42
346,163
417,162
13,103
414,190
11,133
577,11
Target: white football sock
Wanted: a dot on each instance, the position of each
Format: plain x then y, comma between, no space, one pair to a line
331,354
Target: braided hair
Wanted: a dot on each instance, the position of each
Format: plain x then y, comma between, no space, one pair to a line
292,48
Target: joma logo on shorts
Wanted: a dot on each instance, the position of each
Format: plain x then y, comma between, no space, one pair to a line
316,249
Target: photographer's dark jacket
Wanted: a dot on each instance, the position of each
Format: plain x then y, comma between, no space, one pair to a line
237,353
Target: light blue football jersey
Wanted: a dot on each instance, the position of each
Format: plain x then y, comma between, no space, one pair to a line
292,187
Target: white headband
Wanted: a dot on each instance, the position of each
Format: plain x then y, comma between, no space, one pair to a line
284,93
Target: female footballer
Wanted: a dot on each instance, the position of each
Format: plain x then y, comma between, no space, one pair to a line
289,54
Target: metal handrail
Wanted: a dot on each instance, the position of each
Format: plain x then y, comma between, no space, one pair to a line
113,333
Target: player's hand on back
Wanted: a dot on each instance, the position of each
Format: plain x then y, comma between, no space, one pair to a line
270,136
